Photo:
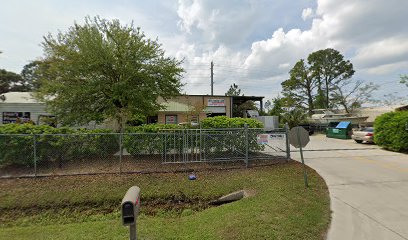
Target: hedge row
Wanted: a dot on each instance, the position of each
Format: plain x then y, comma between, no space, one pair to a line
156,138
52,144
66,144
390,131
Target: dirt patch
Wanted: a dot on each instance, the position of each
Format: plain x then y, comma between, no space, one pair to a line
173,206
128,164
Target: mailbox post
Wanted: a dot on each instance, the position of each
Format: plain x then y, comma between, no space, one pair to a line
130,210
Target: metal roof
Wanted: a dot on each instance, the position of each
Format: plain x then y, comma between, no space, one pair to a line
18,97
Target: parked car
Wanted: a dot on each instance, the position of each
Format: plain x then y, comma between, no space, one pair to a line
364,135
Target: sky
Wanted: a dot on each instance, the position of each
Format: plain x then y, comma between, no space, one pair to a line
252,43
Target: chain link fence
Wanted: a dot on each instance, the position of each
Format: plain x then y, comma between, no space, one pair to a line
186,150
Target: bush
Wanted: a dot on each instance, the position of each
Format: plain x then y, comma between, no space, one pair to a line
225,122
147,139
390,131
233,141
152,128
52,144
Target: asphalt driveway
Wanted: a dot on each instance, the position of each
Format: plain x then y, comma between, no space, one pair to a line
368,188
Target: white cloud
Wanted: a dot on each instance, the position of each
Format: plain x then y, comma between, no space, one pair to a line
386,68
386,51
307,13
252,43
334,26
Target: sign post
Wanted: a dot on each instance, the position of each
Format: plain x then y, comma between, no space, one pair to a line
299,138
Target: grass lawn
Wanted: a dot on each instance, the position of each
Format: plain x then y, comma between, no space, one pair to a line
172,207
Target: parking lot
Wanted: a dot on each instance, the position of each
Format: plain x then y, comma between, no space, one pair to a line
368,187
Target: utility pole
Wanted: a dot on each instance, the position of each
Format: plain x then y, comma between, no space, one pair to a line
212,78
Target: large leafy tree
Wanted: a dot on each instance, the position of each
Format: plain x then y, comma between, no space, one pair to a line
300,86
313,84
329,69
103,69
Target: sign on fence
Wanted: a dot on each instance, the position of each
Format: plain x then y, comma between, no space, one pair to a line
265,138
262,138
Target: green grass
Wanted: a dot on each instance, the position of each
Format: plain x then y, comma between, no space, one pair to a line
87,207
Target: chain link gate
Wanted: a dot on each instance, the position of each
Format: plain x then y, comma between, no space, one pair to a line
214,145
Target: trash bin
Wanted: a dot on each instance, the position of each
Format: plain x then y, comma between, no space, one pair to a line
341,131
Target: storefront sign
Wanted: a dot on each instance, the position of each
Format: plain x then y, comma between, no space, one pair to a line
216,102
13,117
171,119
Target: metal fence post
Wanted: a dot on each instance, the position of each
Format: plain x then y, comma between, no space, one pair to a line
246,144
35,154
120,151
287,142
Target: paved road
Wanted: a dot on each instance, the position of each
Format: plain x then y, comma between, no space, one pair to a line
368,188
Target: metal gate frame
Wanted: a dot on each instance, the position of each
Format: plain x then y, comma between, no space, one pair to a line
191,145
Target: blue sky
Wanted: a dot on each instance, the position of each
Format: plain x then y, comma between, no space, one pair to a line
253,43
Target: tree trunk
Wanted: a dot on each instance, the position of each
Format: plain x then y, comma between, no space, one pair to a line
327,93
121,121
311,105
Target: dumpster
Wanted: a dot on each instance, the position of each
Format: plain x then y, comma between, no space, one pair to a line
341,131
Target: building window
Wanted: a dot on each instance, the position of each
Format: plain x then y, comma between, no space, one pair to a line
171,119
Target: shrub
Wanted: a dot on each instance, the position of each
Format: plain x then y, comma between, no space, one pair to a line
147,139
225,122
390,131
52,144
152,128
233,141
19,149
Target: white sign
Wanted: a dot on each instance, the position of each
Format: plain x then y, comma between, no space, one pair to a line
262,138
216,102
276,136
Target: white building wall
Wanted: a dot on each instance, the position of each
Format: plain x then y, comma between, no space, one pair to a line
35,109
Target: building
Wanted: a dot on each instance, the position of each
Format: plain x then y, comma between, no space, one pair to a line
194,108
21,107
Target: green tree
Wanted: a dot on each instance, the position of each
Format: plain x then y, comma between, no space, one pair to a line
311,84
238,110
293,116
233,90
404,80
10,81
277,107
32,74
102,70
329,69
300,86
